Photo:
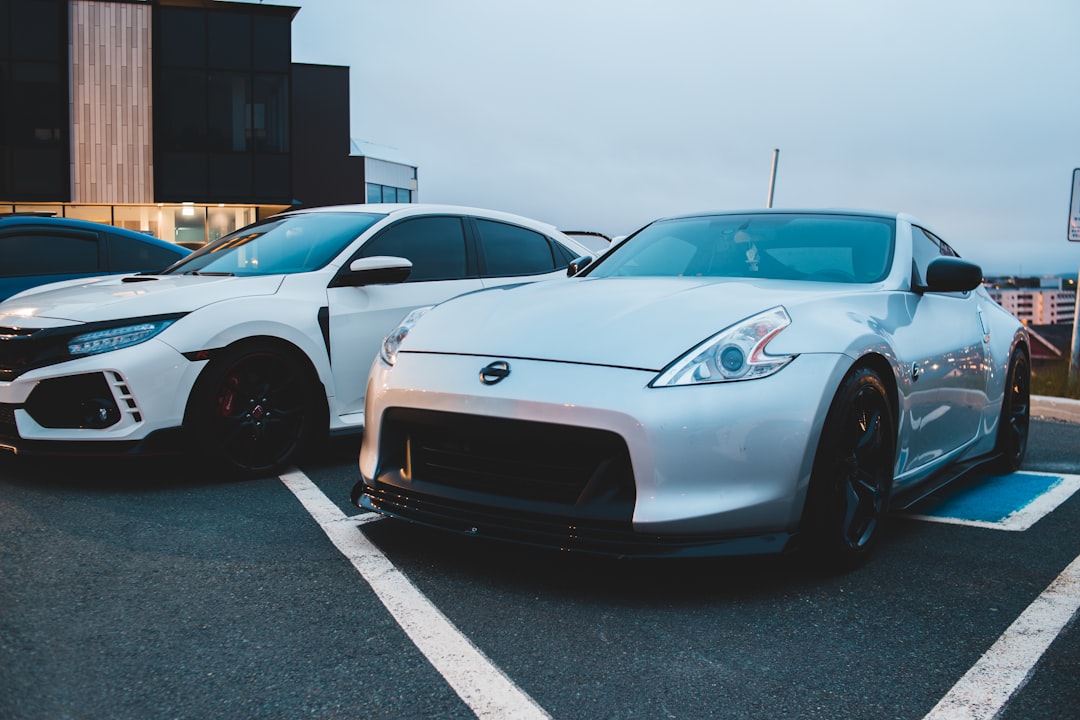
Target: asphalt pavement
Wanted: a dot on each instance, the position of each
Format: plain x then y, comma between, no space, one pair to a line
148,589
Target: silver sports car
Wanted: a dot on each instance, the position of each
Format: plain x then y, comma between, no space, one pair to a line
721,383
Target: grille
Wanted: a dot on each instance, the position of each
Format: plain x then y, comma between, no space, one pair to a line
7,422
518,459
22,350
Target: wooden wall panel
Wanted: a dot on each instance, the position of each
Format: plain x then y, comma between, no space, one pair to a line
111,103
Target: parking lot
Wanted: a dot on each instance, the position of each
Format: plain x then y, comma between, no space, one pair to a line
147,589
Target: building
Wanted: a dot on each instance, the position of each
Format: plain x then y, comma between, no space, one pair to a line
1036,301
185,119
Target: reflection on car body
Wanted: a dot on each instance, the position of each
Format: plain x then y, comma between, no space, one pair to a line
744,382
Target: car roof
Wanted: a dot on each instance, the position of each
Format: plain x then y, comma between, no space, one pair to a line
430,208
798,211
35,220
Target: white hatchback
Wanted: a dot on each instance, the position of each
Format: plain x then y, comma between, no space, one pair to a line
253,347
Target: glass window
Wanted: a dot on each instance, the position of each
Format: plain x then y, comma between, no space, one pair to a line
130,255
138,218
925,246
272,44
403,195
795,246
182,37
288,244
56,210
92,213
268,121
221,221
47,253
228,111
36,89
923,250
512,250
435,245
374,193
180,123
36,29
229,40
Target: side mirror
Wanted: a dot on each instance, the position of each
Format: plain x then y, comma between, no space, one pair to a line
578,264
951,274
376,270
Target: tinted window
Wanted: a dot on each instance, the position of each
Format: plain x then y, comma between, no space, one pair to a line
229,40
182,36
779,246
925,246
435,245
47,253
513,250
130,255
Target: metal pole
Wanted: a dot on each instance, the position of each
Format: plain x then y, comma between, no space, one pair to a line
1074,358
772,176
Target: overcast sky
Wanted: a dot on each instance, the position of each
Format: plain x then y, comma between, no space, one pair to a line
605,114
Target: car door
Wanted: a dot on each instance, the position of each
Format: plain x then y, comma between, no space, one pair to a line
943,356
360,317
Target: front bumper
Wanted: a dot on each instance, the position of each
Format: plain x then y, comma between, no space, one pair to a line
708,469
129,401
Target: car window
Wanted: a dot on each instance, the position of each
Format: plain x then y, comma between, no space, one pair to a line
511,250
925,246
279,245
48,253
791,246
434,245
130,255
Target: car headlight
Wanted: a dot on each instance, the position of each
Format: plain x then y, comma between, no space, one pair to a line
737,353
100,341
392,342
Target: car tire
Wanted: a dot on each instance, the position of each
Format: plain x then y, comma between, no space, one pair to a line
1012,435
852,475
253,409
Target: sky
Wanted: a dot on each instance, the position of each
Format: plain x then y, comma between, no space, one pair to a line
604,115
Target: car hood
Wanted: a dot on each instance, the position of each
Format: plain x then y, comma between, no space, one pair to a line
640,323
117,297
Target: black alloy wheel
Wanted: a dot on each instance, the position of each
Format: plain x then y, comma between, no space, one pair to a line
252,409
1012,434
853,473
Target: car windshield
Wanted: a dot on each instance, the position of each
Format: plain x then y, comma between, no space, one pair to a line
782,246
279,245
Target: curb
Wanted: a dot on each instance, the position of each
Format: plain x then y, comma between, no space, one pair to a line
1055,408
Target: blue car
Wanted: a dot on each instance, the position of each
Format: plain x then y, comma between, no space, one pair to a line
37,249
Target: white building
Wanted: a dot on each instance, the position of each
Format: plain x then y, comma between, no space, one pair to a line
1036,305
388,175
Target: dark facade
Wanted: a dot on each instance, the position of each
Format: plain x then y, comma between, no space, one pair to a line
34,125
324,173
235,124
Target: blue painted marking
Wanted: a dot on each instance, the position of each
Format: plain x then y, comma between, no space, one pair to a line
995,498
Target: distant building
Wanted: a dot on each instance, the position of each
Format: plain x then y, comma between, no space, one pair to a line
1036,301
389,176
185,119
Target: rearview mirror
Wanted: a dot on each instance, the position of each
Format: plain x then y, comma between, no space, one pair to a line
376,270
951,274
578,264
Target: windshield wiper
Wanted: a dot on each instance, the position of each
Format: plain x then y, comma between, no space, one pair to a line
209,274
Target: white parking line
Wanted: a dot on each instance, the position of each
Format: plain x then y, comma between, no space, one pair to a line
1006,666
476,680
